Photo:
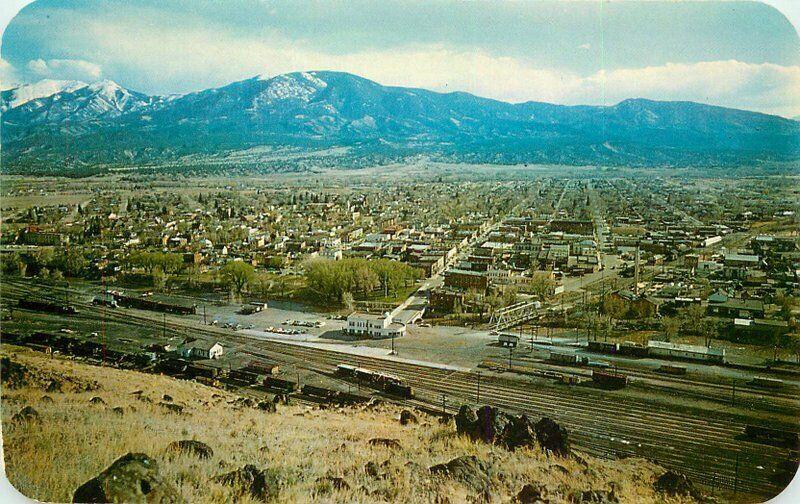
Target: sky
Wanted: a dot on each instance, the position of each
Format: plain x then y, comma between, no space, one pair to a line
730,53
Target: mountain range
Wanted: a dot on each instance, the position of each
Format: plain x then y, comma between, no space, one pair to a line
57,126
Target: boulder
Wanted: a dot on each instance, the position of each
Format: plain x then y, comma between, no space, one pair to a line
191,447
26,414
250,480
466,421
673,483
552,437
46,399
97,400
268,406
281,399
388,443
490,424
518,432
118,410
166,398
134,477
406,417
531,494
469,470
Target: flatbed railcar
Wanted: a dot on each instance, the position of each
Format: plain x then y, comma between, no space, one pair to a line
46,306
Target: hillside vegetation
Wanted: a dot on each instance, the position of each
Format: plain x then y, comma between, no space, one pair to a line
64,422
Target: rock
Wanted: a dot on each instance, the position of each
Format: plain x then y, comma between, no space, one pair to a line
119,410
406,417
250,480
531,494
552,437
26,414
191,447
166,398
673,483
97,400
53,385
518,433
281,399
594,497
175,408
137,392
490,424
14,375
466,421
329,482
467,469
266,406
46,399
371,469
388,443
134,477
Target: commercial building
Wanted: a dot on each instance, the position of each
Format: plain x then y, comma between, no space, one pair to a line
373,325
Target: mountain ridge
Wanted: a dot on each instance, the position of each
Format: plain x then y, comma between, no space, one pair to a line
111,125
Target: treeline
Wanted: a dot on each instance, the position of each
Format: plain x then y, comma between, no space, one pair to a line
339,281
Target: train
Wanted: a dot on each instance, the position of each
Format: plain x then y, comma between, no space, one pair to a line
46,306
109,303
389,383
153,305
770,436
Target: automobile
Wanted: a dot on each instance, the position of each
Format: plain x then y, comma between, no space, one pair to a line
66,331
424,324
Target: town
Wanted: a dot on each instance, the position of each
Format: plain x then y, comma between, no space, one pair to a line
678,295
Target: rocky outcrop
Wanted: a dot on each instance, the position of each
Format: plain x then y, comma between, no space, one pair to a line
134,477
491,425
406,417
26,414
531,494
388,443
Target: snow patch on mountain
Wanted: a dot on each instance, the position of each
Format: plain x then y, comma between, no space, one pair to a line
42,89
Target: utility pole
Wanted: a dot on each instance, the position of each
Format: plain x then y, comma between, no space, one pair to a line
204,315
510,353
444,404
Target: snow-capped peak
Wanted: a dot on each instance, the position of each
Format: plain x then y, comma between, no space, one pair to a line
107,88
42,89
293,86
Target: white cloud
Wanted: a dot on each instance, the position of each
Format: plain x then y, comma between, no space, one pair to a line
67,69
193,58
8,75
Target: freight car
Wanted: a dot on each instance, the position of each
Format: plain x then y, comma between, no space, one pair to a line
770,436
609,379
110,303
400,390
46,306
603,347
389,383
277,384
672,370
569,359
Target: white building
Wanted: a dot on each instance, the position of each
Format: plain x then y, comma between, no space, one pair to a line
374,326
202,350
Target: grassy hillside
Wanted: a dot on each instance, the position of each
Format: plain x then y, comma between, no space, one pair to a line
76,437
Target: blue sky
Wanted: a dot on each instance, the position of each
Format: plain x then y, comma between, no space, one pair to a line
739,54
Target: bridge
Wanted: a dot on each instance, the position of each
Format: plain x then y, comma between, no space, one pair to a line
515,314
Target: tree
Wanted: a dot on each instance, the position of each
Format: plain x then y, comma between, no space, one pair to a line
669,327
237,275
614,307
541,284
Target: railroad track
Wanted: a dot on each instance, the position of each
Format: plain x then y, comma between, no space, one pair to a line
699,443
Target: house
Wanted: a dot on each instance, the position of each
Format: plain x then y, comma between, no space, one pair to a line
737,308
373,325
201,350
466,280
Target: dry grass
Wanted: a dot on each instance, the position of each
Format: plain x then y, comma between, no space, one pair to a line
75,440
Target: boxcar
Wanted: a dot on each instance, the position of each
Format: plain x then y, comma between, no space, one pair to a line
609,379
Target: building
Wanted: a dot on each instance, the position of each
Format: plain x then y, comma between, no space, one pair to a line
202,350
466,280
737,308
374,325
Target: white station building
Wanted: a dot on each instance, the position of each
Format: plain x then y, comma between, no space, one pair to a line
374,326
